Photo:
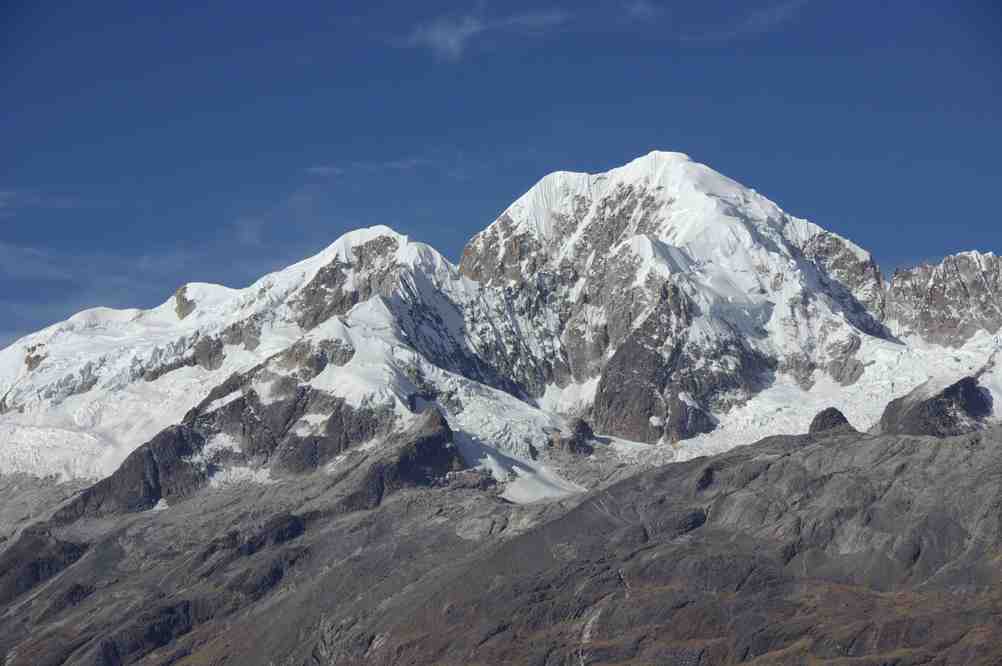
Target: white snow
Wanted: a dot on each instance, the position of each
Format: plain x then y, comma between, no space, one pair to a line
536,485
230,476
571,399
225,400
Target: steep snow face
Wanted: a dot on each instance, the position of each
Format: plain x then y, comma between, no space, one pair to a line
665,277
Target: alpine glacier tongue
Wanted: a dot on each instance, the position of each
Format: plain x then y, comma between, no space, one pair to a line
662,301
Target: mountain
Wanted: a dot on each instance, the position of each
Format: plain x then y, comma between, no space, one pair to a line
378,456
662,301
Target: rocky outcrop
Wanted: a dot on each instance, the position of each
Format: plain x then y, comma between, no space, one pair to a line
949,302
33,356
347,281
845,367
159,469
659,383
205,351
307,358
246,333
955,410
577,440
419,456
829,421
183,306
852,276
33,558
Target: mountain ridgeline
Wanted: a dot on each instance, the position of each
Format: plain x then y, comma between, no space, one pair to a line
652,300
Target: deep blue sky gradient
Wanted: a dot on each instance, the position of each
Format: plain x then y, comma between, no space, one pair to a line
149,144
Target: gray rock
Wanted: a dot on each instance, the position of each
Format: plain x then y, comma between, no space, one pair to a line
856,283
949,302
183,306
34,355
845,367
208,353
159,469
958,409
829,420
326,295
246,333
579,439
640,393
33,558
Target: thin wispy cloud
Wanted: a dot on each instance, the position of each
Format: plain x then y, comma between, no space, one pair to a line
449,37
757,22
337,170
27,263
65,282
642,10
325,170
13,201
249,231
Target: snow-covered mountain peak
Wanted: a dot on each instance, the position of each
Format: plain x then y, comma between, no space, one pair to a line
666,254
660,299
346,246
665,195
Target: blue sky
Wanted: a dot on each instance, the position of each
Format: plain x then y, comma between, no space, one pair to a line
149,144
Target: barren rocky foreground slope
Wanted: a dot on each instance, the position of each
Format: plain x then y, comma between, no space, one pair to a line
832,546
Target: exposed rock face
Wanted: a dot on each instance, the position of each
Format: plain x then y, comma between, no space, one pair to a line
829,420
246,333
949,302
160,469
845,367
578,440
307,359
183,306
419,456
35,557
958,409
266,431
33,357
853,278
347,281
